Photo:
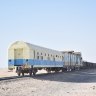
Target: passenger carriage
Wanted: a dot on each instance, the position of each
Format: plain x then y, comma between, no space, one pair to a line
29,58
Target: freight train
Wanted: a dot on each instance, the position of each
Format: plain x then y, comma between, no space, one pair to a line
29,58
88,65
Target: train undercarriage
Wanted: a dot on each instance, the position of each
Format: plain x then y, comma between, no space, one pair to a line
32,71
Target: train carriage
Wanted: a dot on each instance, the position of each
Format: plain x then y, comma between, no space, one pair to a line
32,56
72,60
29,58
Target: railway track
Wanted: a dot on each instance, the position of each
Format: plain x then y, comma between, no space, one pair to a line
83,76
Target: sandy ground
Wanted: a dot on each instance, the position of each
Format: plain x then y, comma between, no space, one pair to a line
7,73
78,83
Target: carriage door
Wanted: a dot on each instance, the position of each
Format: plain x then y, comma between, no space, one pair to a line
18,56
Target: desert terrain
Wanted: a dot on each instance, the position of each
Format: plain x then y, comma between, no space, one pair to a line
76,83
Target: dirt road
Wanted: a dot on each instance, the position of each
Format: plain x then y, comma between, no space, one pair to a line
78,83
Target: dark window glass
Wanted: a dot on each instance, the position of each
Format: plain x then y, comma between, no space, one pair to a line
26,59
9,60
37,57
41,57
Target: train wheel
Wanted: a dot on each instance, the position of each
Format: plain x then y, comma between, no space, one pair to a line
30,73
63,69
18,73
78,68
48,71
70,69
22,73
34,73
56,70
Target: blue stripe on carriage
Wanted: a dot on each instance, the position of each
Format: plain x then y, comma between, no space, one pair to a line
35,63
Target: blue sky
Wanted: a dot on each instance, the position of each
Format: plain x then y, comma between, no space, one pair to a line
56,24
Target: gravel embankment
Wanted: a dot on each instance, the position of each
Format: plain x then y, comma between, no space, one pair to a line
78,83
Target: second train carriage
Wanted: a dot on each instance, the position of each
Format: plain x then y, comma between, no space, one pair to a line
29,58
72,60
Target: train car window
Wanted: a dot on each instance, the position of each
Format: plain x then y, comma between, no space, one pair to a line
41,57
26,59
45,54
53,59
37,57
9,60
41,53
